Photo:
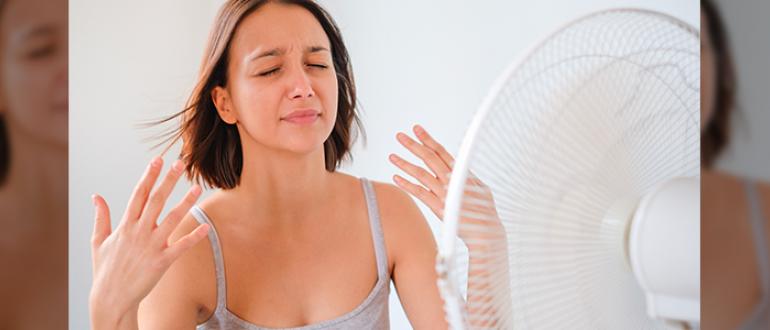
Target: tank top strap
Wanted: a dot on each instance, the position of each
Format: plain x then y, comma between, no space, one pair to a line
219,264
376,227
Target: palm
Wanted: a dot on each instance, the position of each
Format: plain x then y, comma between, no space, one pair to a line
479,218
128,262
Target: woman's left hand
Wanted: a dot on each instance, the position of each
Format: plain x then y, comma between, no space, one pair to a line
478,207
480,227
434,183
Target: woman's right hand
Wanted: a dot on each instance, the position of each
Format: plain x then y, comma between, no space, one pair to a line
129,262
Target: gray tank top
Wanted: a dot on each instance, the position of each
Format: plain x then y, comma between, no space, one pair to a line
372,313
760,316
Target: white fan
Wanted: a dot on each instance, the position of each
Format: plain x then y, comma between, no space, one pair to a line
577,184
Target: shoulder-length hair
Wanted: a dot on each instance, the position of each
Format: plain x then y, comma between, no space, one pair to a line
212,148
716,135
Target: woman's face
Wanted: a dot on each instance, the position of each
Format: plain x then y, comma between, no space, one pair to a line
708,74
282,86
33,69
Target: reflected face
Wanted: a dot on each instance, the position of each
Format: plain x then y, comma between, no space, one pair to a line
282,85
33,69
707,76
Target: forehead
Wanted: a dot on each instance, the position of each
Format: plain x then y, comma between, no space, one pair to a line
278,26
23,18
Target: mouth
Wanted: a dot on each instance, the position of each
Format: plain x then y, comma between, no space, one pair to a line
302,116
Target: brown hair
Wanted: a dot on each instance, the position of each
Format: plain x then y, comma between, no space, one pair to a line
212,148
5,152
5,157
716,136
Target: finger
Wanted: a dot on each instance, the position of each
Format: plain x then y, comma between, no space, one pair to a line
102,223
142,189
425,196
439,149
186,242
428,157
159,196
176,215
419,173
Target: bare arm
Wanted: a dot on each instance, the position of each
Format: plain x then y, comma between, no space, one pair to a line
488,298
412,249
186,294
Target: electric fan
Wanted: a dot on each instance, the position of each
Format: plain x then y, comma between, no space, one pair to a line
576,188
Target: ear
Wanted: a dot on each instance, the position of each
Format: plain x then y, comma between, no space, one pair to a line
222,101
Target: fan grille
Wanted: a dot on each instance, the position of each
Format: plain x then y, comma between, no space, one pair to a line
599,113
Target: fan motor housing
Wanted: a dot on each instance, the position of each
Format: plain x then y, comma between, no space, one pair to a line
664,248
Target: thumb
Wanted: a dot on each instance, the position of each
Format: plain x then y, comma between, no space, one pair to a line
102,225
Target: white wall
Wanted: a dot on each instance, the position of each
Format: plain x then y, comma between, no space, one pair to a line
130,61
427,62
747,26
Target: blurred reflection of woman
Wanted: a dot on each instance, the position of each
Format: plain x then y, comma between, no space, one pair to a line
33,164
735,267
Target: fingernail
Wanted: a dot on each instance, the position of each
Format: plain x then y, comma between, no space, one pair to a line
156,161
178,165
195,190
93,199
418,129
393,158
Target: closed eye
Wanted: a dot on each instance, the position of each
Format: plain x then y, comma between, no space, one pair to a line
320,66
41,52
269,72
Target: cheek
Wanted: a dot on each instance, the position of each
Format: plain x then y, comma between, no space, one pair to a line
329,96
35,98
255,103
25,89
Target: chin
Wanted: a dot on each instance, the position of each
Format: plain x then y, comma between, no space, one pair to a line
304,146
308,139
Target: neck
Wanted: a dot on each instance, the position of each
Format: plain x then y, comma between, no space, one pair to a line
36,182
282,185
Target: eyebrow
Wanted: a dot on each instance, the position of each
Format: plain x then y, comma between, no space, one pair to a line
281,51
39,30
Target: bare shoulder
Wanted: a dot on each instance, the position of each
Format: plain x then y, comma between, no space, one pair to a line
719,181
198,262
723,189
199,252
196,266
405,229
395,204
396,207
188,286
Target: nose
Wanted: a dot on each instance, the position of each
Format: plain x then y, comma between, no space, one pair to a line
301,86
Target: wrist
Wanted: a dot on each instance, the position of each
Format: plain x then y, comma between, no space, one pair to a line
108,312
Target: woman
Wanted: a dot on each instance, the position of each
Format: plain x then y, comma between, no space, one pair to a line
33,163
736,260
291,242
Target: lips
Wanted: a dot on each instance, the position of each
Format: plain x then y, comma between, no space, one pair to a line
302,116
